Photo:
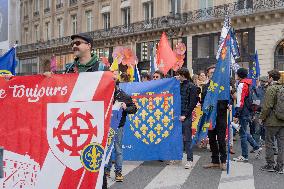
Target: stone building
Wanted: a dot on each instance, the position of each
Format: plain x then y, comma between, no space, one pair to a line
46,26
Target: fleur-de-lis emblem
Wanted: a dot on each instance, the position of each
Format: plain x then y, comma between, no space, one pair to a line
145,141
158,114
143,100
158,140
222,88
158,129
143,114
130,116
158,100
151,121
151,136
212,86
166,120
137,134
136,121
165,134
172,113
144,129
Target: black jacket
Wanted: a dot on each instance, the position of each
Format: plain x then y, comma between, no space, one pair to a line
222,105
189,98
121,96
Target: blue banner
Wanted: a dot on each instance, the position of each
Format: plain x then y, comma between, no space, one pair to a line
154,132
254,70
8,62
115,120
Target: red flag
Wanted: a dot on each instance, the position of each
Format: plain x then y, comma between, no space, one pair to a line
55,130
166,58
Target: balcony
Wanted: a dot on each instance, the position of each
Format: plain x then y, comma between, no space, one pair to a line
26,17
46,10
58,6
72,2
36,13
170,21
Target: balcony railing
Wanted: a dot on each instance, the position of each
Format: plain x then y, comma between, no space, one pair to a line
72,2
170,21
60,5
36,13
47,10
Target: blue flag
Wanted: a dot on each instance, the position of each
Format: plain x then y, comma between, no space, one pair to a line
154,132
8,62
136,74
115,120
219,89
254,71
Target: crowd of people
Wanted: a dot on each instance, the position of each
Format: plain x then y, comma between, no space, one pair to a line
257,111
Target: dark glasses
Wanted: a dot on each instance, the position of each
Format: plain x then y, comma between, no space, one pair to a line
77,43
156,77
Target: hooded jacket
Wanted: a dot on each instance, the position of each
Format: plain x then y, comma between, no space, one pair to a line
267,111
243,108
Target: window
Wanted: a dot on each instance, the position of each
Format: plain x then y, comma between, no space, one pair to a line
103,52
174,6
28,66
36,33
60,27
74,24
26,9
106,17
243,41
203,47
36,5
89,19
204,4
46,4
59,4
26,35
148,10
126,16
47,30
245,4
144,52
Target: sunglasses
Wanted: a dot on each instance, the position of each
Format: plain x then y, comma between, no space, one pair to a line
77,43
156,77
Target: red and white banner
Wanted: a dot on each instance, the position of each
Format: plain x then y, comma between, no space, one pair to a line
54,130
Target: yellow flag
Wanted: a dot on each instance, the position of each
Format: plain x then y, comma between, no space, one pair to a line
130,72
114,65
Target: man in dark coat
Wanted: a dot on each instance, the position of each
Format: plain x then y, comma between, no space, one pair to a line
189,99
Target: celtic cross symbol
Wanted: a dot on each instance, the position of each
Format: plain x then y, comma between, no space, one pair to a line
74,131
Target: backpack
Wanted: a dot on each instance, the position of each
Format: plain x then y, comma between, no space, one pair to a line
279,106
249,99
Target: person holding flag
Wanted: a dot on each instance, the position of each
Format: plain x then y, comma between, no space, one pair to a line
217,146
216,97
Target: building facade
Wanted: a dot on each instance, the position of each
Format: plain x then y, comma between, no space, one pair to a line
46,26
